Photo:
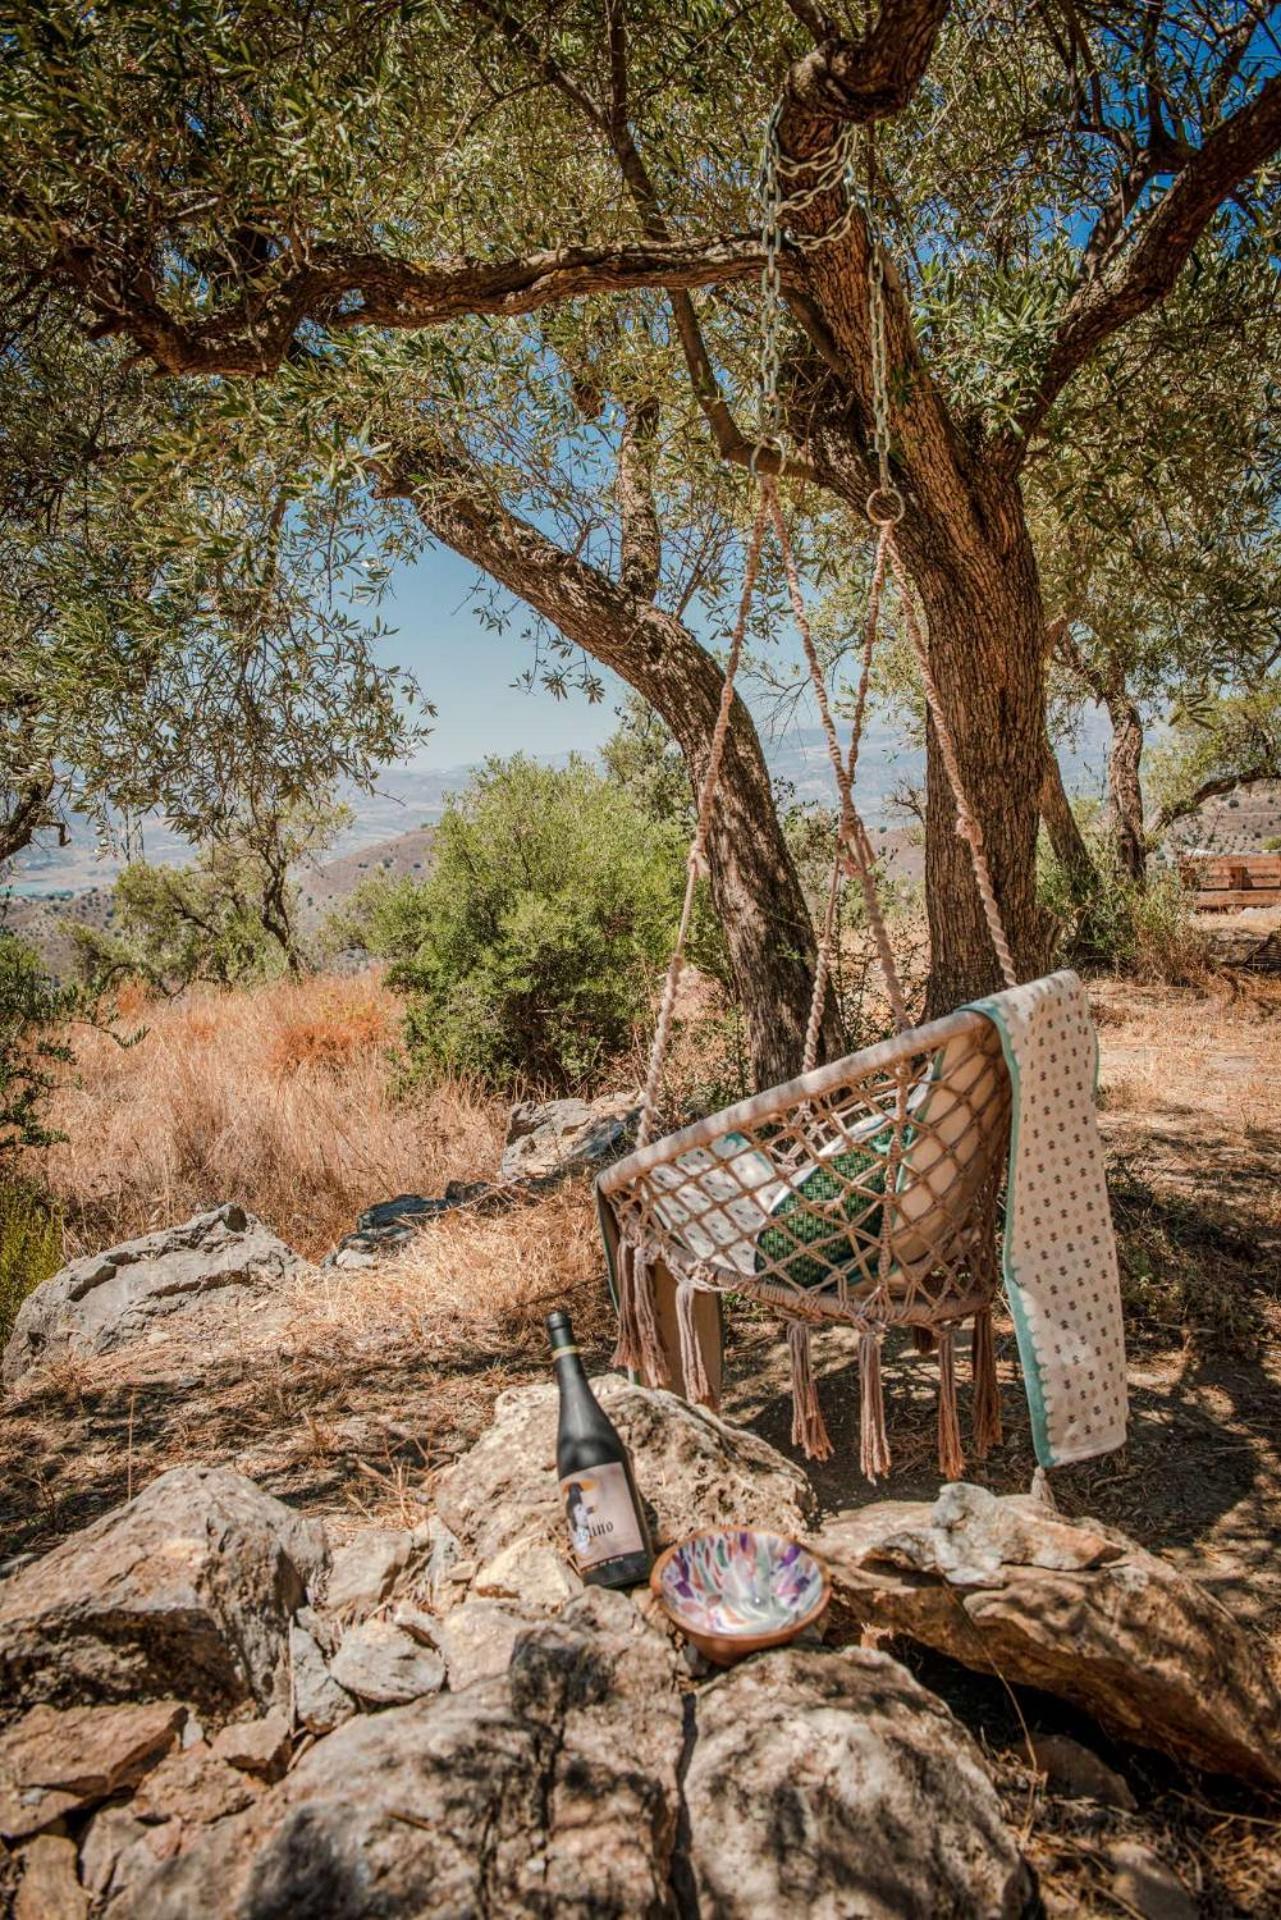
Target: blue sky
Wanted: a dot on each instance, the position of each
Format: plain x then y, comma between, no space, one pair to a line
468,672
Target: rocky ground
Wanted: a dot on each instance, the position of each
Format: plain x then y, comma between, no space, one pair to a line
388,1694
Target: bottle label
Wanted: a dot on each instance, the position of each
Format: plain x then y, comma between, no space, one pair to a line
602,1520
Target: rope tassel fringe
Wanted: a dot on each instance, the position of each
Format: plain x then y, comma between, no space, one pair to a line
640,1347
698,1387
874,1445
986,1416
951,1453
809,1430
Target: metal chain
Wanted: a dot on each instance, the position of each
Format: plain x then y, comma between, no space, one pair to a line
885,504
829,171
769,433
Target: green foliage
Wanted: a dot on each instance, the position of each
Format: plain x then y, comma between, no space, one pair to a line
230,919
532,947
1148,932
187,627
1215,742
30,1247
32,1009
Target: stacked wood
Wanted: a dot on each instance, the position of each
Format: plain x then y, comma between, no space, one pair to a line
1227,882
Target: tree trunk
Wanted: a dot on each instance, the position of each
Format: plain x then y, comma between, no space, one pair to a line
982,602
755,887
1065,833
1125,790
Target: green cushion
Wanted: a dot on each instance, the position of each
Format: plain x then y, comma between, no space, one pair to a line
792,1227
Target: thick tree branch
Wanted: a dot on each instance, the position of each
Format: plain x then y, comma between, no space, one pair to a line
1174,810
342,290
28,813
754,885
860,80
1139,269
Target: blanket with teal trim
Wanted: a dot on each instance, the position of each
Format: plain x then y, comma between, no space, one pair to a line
1061,1273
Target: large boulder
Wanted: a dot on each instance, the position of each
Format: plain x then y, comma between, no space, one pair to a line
824,1784
547,1138
187,1592
550,1790
1008,1586
202,1269
692,1470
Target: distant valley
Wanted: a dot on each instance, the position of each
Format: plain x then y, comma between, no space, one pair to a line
392,833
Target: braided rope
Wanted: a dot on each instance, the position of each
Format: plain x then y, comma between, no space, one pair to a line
697,866
822,972
851,825
967,823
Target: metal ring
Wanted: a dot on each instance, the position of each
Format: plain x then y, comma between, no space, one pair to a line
885,506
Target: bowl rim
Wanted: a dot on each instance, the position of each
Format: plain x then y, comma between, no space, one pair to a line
775,1633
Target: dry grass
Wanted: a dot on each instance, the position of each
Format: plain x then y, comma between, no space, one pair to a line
473,1282
283,1098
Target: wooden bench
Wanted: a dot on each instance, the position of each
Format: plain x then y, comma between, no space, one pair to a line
1226,881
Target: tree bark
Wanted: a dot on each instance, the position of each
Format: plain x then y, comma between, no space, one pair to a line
986,628
755,887
1125,788
1065,834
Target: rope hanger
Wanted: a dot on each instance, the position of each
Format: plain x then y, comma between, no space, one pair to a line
885,508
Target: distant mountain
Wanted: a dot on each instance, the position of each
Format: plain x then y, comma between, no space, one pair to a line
407,799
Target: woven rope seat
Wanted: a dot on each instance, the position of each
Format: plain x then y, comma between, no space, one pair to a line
782,1198
863,1193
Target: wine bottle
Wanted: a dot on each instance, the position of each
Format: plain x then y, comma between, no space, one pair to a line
608,1536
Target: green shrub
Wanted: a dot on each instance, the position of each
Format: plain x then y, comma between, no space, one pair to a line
1149,932
532,947
30,1247
31,1008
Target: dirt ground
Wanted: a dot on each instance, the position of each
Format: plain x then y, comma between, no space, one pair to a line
350,1402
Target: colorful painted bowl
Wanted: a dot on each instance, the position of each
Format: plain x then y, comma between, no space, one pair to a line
738,1589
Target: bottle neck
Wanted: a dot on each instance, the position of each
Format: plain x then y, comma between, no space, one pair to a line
567,1364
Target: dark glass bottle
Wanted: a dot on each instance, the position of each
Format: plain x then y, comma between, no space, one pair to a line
608,1537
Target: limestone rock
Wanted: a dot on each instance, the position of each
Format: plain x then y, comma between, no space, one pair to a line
555,1136
50,1888
118,1849
1078,1610
194,1787
692,1471
388,1225
825,1784
108,1299
363,1571
52,1763
261,1747
318,1702
1074,1773
187,1590
1145,1885
478,1639
385,1666
550,1790
529,1572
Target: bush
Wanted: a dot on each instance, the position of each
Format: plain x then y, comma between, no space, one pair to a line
1149,932
30,1247
31,1007
531,949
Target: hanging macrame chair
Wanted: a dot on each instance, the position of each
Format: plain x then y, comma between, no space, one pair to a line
864,1192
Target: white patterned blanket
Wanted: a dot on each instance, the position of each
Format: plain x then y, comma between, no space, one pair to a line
1060,1261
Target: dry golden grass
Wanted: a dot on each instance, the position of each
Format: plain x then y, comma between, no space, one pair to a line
476,1280
282,1097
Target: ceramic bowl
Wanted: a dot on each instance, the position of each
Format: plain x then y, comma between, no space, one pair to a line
736,1590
